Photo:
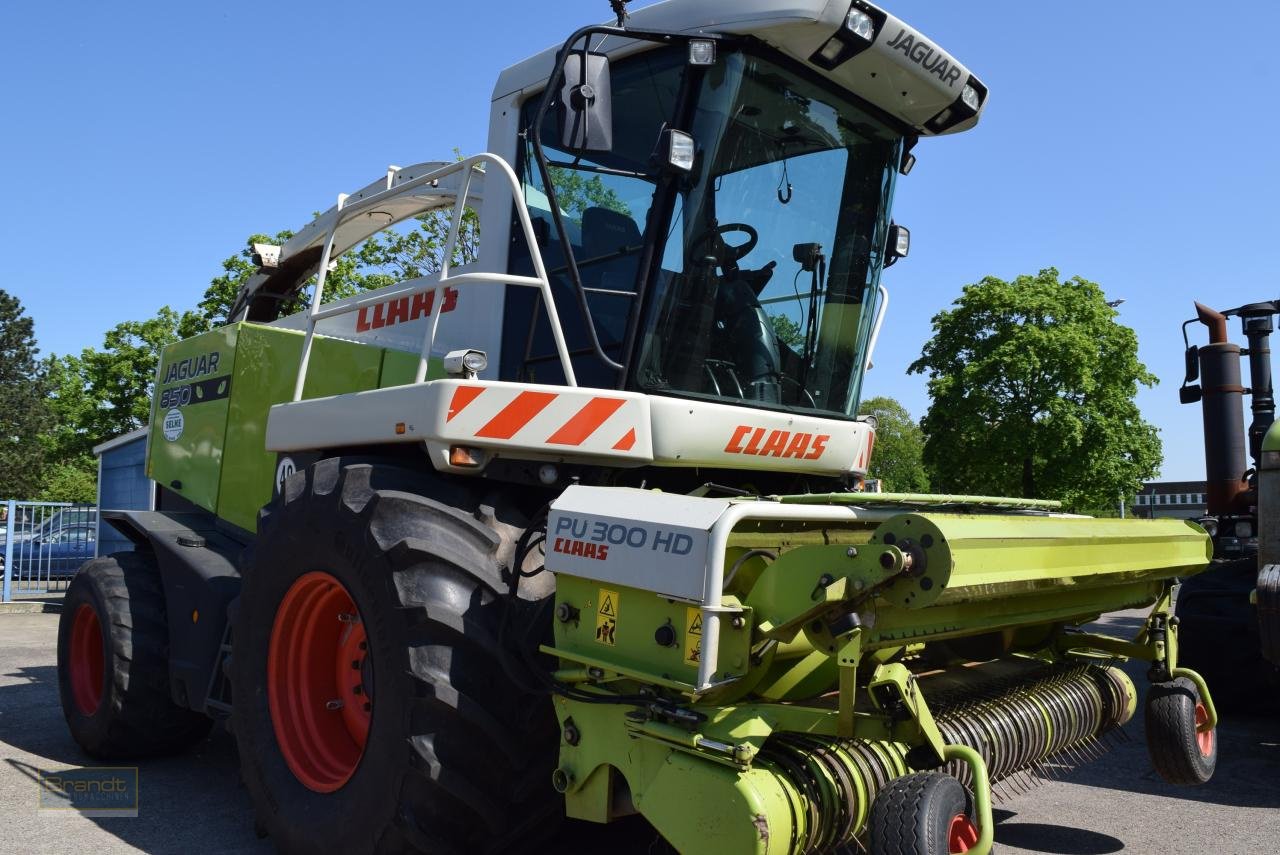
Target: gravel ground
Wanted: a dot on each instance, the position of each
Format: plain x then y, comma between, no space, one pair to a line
195,803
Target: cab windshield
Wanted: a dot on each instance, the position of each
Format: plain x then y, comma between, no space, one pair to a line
769,277
762,285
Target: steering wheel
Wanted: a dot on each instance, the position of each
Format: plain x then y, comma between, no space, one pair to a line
724,254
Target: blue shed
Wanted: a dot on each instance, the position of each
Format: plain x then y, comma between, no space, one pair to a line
123,485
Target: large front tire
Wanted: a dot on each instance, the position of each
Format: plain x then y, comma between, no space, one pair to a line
113,663
449,755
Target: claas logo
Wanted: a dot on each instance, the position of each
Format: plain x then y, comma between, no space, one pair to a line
404,309
569,546
763,442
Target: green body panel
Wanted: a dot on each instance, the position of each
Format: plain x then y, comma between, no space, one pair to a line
1271,440
663,779
927,499
997,556
266,366
219,460
188,460
400,368
638,616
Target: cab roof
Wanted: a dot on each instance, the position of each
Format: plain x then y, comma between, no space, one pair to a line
902,72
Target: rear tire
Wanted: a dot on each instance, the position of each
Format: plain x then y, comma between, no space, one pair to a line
456,757
1269,613
1179,754
922,814
1220,636
113,663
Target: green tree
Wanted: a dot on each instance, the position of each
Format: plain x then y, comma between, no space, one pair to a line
67,442
577,190
103,393
406,251
221,294
23,410
71,482
787,331
1032,385
898,457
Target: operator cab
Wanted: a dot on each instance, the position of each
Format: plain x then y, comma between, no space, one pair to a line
729,232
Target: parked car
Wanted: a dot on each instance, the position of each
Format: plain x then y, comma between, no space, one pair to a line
30,523
54,553
67,517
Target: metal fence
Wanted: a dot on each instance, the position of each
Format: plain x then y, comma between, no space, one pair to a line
44,544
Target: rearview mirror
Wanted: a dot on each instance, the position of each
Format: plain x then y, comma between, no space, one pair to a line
1193,364
586,103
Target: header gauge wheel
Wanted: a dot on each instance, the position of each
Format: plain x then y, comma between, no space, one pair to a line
922,814
1181,750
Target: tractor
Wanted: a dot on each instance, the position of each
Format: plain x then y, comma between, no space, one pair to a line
1231,613
575,528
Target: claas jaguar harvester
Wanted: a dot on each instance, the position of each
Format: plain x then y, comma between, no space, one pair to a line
574,527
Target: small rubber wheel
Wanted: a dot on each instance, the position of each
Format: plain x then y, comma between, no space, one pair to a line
922,814
1181,752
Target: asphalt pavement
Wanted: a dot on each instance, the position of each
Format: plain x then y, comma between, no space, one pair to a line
195,802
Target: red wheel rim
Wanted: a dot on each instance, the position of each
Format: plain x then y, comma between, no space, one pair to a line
319,682
1204,737
962,835
88,660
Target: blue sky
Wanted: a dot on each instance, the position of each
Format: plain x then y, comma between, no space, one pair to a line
1130,143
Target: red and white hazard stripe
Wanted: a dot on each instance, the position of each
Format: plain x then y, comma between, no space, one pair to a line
566,418
864,454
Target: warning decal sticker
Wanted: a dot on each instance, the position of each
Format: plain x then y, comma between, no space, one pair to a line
692,635
607,616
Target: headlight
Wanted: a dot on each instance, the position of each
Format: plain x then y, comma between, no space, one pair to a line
1244,528
901,237
702,52
856,34
969,96
680,150
465,363
860,24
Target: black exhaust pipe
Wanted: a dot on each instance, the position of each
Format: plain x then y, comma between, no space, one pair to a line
1221,404
1258,326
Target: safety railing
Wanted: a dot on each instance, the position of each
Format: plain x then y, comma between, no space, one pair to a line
45,543
444,279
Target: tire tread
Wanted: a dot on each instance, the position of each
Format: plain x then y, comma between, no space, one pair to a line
1171,734
466,752
142,719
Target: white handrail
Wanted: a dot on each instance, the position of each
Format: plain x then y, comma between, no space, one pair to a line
875,330
713,588
539,280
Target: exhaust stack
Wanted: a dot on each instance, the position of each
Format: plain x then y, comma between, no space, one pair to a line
1258,327
1221,405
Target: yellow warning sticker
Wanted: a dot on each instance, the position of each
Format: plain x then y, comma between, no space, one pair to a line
692,635
607,616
